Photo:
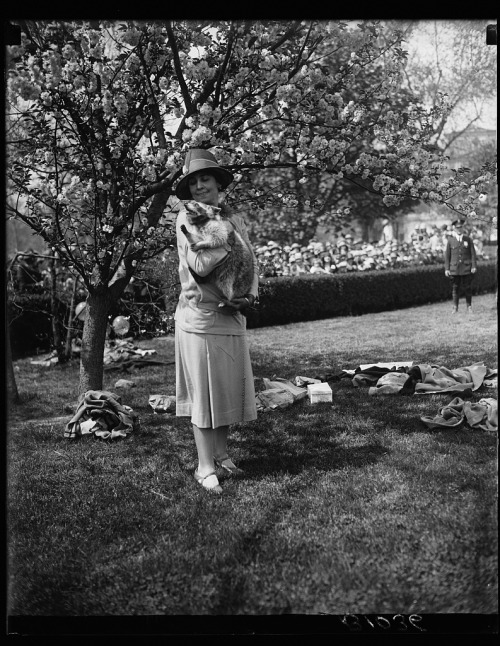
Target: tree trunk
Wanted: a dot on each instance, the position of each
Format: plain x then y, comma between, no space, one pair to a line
56,334
12,391
93,340
71,318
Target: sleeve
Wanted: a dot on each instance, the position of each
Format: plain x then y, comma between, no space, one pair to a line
446,254
473,254
204,261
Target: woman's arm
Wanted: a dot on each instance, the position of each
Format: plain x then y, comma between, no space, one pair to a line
206,260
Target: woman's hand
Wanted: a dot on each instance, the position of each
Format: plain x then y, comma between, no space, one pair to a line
237,304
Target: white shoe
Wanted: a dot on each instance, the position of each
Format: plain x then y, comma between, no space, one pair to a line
209,482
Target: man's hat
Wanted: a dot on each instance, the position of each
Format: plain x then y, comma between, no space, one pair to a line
198,159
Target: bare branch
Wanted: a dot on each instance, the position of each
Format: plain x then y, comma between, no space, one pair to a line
177,65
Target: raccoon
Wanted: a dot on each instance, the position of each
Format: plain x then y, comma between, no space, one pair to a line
208,231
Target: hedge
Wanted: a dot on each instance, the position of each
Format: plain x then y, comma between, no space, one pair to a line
304,298
282,300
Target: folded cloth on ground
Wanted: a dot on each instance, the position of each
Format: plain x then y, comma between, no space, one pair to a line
277,382
122,354
368,375
441,379
483,414
112,418
304,381
387,364
389,384
48,361
162,403
372,374
278,393
122,347
124,383
273,398
491,378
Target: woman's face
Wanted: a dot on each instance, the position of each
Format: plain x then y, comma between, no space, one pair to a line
204,188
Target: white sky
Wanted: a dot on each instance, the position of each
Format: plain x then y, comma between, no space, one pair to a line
422,40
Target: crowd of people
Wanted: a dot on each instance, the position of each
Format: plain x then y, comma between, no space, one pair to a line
344,254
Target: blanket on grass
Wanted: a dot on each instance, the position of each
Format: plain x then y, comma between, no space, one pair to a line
101,412
439,379
483,414
423,378
121,354
278,393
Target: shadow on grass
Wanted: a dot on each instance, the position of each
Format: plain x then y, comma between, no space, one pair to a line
323,456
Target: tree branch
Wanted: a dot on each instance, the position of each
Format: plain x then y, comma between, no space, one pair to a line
177,66
222,69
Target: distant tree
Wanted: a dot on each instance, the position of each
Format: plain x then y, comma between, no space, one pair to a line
453,63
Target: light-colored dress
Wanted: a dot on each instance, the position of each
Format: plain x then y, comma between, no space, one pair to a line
214,377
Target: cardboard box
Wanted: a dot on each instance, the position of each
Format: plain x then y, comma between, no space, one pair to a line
319,393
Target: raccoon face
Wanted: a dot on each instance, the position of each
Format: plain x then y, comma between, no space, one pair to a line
199,213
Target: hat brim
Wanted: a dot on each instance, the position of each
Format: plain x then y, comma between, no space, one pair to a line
223,176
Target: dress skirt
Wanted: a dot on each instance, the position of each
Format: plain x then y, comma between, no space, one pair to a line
214,379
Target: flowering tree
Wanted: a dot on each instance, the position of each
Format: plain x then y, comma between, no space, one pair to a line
327,198
101,114
391,159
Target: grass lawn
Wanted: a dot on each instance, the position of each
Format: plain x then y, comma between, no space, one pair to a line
354,507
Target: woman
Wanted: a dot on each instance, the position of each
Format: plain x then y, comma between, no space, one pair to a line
214,379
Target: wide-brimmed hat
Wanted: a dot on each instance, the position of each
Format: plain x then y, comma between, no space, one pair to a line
198,159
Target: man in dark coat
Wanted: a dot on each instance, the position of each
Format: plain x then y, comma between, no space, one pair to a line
460,264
